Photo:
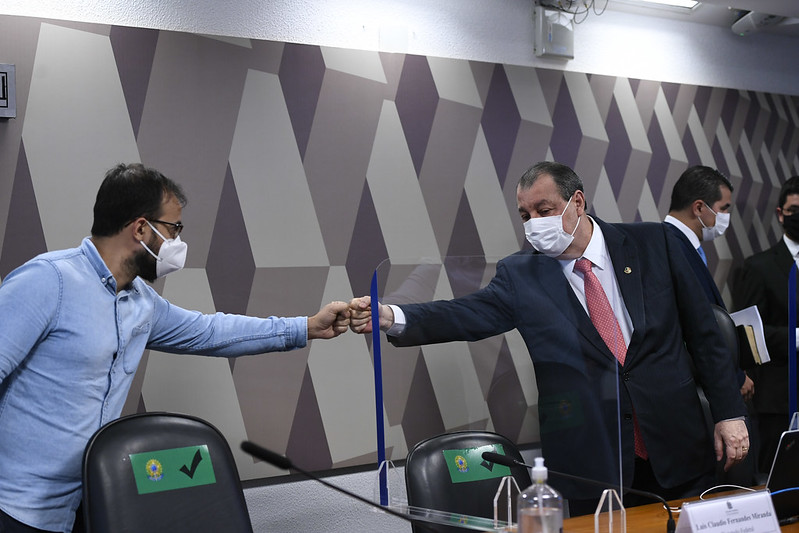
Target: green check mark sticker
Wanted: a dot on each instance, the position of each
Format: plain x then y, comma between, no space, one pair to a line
171,469
195,462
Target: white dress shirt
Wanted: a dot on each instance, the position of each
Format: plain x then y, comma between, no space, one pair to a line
793,247
597,253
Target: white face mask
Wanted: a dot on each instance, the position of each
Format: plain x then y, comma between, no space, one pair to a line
171,256
546,234
722,222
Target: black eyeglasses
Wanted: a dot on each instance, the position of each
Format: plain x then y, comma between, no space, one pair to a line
175,227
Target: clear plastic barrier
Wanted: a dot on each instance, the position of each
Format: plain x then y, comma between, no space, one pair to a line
495,363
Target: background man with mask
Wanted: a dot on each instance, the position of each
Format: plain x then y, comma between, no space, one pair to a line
699,212
763,282
73,327
601,307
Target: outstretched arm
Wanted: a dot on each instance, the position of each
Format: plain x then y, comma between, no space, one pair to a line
331,321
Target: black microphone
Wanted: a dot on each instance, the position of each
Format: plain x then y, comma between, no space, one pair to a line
283,462
504,460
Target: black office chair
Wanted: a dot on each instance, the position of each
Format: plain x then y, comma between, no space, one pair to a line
743,473
429,484
730,336
159,472
728,331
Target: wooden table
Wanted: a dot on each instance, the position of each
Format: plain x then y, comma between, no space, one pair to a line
646,518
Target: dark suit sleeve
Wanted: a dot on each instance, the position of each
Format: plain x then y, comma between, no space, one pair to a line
760,284
763,281
714,367
698,266
479,315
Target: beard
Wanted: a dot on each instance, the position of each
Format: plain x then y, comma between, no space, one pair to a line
143,264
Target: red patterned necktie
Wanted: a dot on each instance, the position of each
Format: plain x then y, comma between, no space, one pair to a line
605,322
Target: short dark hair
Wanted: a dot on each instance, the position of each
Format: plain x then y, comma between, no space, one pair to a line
698,183
791,186
565,178
128,192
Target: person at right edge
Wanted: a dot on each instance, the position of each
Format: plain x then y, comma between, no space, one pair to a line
602,308
763,281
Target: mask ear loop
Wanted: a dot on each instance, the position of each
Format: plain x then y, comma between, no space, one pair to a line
700,218
159,259
150,251
579,217
157,232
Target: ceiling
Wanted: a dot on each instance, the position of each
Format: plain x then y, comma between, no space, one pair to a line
725,13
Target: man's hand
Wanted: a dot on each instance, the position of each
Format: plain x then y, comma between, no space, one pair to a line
361,315
331,321
748,389
732,437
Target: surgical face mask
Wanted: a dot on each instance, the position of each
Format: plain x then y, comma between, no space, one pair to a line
171,256
717,230
790,224
546,234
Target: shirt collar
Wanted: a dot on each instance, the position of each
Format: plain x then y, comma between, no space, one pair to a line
688,232
596,251
96,261
792,245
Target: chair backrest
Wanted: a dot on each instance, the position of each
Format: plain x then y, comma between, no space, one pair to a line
161,472
440,476
728,331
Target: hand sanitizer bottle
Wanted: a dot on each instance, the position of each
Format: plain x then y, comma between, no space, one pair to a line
540,507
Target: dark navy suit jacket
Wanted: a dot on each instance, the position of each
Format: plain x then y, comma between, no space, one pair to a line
705,279
698,266
764,282
577,375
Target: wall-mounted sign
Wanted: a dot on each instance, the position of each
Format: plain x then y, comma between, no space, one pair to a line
8,91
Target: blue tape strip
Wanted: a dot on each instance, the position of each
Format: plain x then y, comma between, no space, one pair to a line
378,367
792,341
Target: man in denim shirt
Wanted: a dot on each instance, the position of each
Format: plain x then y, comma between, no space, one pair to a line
74,325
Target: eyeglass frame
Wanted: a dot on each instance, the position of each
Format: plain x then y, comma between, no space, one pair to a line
178,227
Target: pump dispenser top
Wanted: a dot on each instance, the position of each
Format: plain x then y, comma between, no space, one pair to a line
540,472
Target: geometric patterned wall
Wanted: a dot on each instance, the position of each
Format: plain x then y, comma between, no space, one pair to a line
306,167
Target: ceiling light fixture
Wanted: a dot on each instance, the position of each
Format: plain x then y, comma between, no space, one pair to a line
685,4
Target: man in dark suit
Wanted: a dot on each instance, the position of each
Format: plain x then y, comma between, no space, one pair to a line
700,212
764,282
616,397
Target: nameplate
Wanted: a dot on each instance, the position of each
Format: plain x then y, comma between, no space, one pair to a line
752,512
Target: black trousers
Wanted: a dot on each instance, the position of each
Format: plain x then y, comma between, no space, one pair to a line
644,480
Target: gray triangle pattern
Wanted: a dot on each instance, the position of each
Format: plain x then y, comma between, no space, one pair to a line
307,168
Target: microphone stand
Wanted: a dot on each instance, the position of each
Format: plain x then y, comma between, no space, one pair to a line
284,463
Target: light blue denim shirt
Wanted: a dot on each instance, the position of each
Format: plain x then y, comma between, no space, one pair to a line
69,348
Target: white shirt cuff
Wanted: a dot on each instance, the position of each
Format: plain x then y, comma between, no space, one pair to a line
398,327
